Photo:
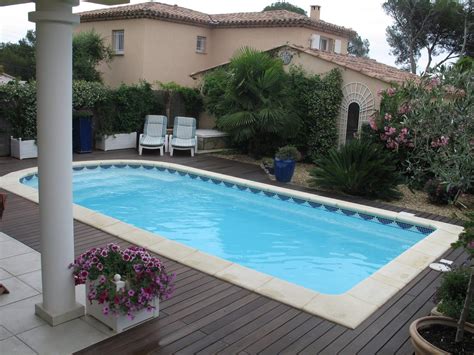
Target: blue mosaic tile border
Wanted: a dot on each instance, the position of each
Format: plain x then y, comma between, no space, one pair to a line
270,194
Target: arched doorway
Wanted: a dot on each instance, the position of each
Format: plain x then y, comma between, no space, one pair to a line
352,121
356,107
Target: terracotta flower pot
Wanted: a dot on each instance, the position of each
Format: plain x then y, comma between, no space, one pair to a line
422,346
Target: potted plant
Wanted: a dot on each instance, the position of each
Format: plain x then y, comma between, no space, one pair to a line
268,166
18,106
123,287
285,162
444,335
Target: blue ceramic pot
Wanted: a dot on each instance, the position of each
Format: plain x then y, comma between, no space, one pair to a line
284,169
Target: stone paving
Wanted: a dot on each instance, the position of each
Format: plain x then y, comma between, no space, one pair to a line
21,331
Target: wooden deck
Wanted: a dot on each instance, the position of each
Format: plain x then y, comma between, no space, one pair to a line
208,316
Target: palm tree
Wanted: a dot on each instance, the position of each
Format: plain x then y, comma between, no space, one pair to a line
257,100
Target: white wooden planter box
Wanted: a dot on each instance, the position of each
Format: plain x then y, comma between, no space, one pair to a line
21,149
121,322
117,141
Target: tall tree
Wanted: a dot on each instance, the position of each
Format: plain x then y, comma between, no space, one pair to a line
18,59
358,47
283,5
434,26
89,50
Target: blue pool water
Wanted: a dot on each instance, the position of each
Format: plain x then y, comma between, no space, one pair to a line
329,251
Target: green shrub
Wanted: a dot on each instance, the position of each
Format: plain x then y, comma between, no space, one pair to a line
124,109
192,98
87,94
452,293
317,100
287,152
18,107
358,168
429,125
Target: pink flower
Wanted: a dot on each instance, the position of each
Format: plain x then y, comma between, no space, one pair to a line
100,267
131,293
102,279
105,311
387,117
126,257
391,91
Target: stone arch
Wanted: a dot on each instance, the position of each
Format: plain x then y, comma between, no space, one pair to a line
355,93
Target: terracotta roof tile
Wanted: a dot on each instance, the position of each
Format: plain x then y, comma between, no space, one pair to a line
180,14
366,66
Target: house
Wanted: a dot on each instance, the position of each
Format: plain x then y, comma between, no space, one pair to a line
160,42
362,78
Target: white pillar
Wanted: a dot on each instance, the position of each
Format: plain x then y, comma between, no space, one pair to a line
54,27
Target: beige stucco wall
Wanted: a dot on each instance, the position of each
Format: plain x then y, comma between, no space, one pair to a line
316,65
170,51
127,68
166,51
226,41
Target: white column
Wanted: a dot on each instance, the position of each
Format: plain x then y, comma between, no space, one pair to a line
54,27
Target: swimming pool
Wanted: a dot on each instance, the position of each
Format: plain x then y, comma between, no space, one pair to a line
320,247
272,206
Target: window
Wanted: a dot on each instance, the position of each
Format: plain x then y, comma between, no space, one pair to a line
324,44
118,41
201,44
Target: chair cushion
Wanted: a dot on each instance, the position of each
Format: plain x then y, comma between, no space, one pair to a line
184,127
152,141
155,126
179,142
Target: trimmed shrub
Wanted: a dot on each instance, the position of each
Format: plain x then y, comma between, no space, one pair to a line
358,168
317,100
288,152
124,109
452,293
18,107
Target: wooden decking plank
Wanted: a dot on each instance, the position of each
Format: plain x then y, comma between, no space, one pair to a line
277,333
231,304
269,326
324,340
295,334
308,338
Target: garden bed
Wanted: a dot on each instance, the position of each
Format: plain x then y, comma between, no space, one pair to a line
414,200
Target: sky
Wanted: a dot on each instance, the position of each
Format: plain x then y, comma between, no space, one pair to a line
364,16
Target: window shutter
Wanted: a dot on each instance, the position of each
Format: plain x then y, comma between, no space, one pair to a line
315,39
337,46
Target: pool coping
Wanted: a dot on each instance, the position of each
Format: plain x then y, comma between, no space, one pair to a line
348,309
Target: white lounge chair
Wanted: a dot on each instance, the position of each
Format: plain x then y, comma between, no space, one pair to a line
184,134
154,134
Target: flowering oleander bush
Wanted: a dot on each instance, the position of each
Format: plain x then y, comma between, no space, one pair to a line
429,125
145,278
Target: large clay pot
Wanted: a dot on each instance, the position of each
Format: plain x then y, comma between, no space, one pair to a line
423,347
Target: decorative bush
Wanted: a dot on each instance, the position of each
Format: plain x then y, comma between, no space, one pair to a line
18,107
429,124
124,109
88,94
145,278
317,100
251,101
192,98
358,168
288,152
452,293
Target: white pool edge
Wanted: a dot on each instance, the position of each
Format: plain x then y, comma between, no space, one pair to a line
348,309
